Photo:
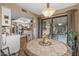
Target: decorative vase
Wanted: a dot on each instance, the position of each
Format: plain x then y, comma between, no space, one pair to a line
45,39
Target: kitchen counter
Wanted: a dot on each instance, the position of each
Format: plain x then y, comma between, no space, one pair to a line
22,36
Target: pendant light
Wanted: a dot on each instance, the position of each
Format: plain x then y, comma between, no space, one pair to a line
49,11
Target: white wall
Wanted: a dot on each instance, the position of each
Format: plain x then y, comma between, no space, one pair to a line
35,28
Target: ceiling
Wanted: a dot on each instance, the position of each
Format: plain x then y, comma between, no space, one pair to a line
38,7
15,15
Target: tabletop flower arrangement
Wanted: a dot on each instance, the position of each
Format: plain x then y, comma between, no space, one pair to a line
45,34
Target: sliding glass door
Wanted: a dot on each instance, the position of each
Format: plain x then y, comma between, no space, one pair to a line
59,28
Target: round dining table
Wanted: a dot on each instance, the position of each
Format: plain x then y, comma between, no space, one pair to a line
54,48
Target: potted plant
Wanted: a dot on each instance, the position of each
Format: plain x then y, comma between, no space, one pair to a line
71,41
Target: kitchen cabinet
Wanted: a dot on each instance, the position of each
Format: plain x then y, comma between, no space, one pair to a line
23,42
6,16
11,41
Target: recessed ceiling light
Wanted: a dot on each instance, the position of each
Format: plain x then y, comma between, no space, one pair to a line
60,24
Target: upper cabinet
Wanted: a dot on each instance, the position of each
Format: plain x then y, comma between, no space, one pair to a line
6,16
